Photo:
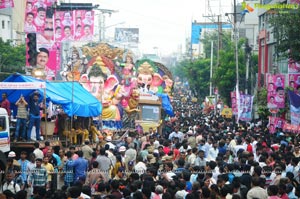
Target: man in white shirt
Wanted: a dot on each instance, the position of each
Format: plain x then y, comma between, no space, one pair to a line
213,152
176,133
37,151
192,157
9,183
29,26
40,18
140,167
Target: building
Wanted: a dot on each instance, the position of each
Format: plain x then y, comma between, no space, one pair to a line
268,62
12,23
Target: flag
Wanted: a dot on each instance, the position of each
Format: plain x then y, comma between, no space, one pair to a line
294,107
238,102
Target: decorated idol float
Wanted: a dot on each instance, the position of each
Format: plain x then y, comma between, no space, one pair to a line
134,94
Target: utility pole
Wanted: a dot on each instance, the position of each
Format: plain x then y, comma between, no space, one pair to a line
219,39
236,44
211,67
102,22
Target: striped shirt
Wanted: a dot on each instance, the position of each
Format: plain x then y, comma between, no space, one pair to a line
38,177
22,111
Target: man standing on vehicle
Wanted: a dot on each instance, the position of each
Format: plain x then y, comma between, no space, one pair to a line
21,118
5,103
34,115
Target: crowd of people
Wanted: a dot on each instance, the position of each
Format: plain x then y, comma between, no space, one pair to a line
195,156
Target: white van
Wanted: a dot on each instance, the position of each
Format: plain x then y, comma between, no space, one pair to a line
4,131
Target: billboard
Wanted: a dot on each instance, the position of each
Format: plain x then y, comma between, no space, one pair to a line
130,35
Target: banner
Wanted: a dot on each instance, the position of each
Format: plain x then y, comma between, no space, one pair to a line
294,108
7,4
75,25
276,94
245,107
38,16
84,25
294,82
276,122
64,26
130,35
293,67
22,85
233,103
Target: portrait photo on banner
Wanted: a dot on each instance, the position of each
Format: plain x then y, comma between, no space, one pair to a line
276,93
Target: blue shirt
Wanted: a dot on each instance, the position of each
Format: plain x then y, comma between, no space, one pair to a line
57,159
80,167
23,169
69,172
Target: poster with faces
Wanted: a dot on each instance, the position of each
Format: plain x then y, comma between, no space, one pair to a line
84,25
294,82
64,26
6,4
276,93
37,12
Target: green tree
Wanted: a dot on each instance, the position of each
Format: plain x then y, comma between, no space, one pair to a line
261,101
12,59
286,31
224,76
196,73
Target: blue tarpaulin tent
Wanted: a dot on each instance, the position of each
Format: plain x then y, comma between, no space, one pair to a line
79,102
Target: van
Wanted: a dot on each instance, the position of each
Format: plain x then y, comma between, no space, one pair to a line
4,131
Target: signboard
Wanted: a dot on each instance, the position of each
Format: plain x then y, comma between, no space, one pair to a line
130,35
22,85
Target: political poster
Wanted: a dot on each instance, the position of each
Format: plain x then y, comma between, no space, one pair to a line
38,16
233,103
64,26
6,4
293,66
276,94
84,25
245,107
294,82
294,108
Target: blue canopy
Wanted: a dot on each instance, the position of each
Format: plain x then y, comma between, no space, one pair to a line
166,103
82,103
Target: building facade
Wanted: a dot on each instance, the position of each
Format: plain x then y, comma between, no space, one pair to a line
12,23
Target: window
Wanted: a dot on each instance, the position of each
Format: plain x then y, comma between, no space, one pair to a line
2,123
150,113
3,24
8,24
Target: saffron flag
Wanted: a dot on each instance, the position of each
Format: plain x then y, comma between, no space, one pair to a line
294,107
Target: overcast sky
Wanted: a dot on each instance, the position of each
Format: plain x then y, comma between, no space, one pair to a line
163,24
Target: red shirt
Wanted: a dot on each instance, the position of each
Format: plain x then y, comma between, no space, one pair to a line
45,150
249,148
6,104
166,150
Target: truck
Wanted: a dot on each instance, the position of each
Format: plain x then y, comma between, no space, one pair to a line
150,111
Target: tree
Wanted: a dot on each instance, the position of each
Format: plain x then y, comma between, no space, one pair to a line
286,31
224,76
197,74
12,59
